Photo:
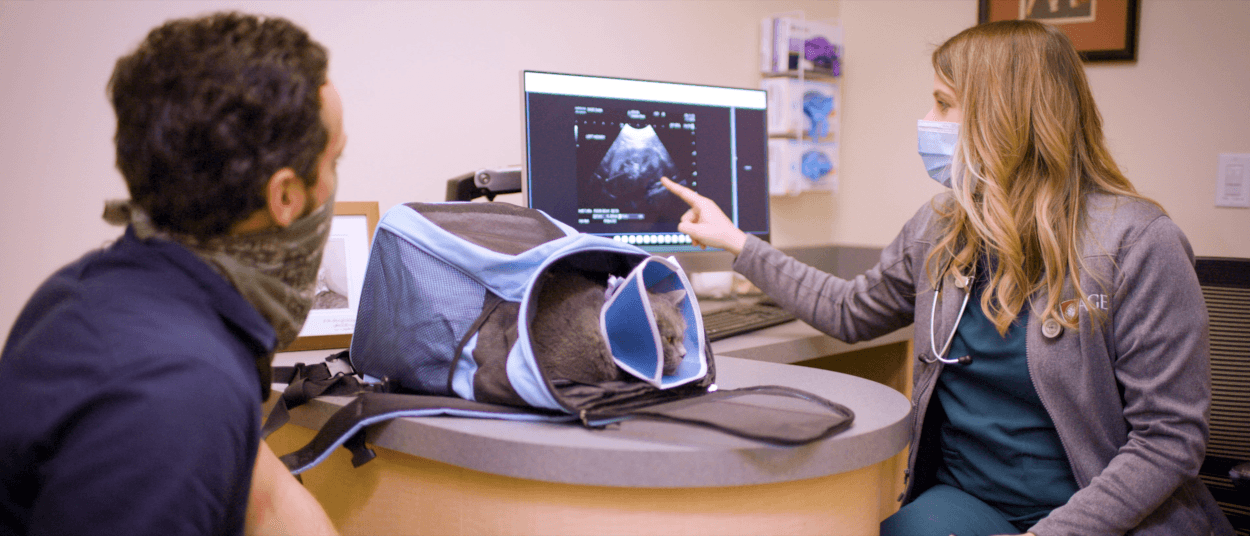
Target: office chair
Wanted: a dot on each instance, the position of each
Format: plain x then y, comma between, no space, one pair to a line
1226,470
484,182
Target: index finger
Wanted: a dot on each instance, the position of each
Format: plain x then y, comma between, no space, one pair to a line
686,194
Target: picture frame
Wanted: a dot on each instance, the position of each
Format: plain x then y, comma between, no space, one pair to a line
1101,30
339,280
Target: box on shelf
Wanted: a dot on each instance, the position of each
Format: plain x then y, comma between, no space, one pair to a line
803,108
797,166
788,44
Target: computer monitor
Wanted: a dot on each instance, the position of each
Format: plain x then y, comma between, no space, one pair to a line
596,147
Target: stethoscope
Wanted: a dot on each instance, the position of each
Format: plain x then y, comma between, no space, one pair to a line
965,283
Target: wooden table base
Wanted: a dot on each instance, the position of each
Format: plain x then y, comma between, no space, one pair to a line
400,494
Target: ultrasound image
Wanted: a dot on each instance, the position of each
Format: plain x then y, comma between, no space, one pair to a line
631,171
627,177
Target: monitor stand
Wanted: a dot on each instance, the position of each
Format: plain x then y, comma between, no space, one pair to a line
703,261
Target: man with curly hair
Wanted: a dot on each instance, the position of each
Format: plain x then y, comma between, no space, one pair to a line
131,383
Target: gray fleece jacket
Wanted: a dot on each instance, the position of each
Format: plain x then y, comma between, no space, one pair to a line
1129,396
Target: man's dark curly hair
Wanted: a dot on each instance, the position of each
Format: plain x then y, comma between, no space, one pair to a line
208,109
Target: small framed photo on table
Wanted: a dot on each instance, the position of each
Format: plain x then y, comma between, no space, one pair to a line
1101,30
333,316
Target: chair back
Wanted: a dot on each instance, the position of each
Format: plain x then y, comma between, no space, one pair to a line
1226,289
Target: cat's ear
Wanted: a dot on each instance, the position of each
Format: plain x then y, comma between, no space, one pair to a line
674,296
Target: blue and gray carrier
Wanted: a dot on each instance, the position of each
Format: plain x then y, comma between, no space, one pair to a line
451,289
442,328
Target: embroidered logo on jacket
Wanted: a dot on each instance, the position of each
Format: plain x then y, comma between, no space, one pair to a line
1070,308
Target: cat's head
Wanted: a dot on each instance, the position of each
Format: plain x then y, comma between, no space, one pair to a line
672,327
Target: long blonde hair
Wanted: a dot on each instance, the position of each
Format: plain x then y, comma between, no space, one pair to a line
1030,148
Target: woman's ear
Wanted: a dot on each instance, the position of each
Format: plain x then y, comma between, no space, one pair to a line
286,196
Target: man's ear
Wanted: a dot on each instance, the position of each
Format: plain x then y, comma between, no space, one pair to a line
286,196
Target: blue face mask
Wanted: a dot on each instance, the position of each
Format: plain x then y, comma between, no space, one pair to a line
937,148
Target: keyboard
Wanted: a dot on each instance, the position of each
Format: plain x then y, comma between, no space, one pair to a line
723,323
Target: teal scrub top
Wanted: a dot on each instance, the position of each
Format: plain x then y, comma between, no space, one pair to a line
998,443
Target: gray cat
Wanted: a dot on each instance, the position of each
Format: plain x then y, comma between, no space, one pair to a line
565,330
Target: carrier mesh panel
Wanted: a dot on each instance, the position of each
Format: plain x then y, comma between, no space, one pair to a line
414,309
499,227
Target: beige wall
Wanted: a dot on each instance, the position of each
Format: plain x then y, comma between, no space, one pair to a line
430,91
1167,117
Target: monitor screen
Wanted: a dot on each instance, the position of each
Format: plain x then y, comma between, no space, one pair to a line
596,147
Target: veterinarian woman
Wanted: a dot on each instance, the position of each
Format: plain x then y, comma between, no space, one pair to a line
1062,375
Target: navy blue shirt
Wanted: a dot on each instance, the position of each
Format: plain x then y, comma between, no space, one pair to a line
998,442
130,398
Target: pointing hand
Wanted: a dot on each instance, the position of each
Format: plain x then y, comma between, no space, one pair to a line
706,224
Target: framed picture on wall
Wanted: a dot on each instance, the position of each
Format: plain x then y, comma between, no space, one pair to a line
333,316
1102,30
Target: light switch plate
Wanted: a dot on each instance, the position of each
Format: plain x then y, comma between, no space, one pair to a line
1232,186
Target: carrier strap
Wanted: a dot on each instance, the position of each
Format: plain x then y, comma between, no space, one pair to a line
374,403
490,302
334,377
773,424
348,425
